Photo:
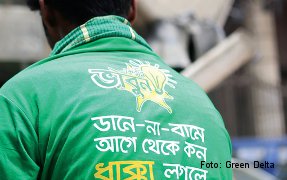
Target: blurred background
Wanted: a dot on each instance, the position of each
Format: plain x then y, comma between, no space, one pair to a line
236,50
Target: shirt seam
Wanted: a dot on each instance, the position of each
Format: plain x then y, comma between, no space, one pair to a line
13,103
26,116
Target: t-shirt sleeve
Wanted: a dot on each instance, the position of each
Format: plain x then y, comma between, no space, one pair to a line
18,143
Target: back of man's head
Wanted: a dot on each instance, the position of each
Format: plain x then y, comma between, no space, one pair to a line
80,11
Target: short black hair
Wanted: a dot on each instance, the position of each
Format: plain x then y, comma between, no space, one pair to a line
80,11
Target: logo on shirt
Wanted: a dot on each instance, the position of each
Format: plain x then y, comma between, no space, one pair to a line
145,81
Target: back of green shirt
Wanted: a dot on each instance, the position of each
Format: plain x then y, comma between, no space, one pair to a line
104,106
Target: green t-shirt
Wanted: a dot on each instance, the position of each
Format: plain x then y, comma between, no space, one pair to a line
104,106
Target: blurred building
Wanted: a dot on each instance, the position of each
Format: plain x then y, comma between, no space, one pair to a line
256,89
252,98
22,40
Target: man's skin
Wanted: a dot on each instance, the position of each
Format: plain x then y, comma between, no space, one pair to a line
57,27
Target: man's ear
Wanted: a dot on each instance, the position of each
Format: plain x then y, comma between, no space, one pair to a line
132,12
48,14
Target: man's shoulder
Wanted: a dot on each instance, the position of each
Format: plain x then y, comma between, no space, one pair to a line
18,87
26,80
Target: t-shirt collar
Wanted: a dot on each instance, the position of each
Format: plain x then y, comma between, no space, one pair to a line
98,28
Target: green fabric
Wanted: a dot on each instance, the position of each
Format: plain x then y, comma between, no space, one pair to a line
98,28
104,106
